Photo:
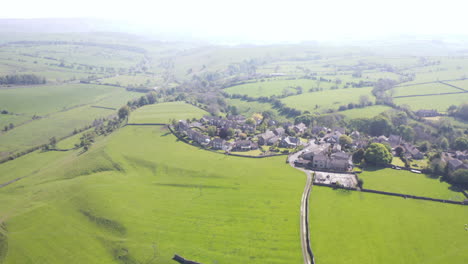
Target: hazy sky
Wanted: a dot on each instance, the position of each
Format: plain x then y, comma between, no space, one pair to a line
272,20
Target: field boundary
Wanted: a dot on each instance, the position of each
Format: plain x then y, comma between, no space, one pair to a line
421,83
103,107
418,95
393,194
454,86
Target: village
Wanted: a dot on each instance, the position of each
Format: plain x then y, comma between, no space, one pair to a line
328,150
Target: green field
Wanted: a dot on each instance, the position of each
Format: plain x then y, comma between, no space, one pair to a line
249,108
438,102
65,111
431,88
127,199
164,112
405,182
354,227
275,87
327,99
366,112
42,100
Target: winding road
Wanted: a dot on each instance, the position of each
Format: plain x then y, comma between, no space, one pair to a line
304,217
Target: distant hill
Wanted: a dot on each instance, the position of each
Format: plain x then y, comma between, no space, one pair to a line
61,25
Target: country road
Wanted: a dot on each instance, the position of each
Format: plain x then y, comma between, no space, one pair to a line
304,216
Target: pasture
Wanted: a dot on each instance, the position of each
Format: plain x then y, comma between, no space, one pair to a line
333,99
140,194
68,108
354,227
165,112
276,87
438,102
430,88
405,182
46,99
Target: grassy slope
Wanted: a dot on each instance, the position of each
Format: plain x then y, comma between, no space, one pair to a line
274,87
438,102
136,195
61,123
353,227
162,113
327,99
401,181
431,88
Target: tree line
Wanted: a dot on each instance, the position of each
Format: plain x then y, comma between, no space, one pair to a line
22,79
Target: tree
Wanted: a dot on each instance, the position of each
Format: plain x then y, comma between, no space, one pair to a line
424,146
380,125
461,143
364,100
143,101
345,140
212,131
358,155
11,126
152,98
250,121
398,151
124,111
52,142
443,143
460,176
377,154
406,132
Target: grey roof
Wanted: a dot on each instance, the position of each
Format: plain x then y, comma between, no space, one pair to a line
454,163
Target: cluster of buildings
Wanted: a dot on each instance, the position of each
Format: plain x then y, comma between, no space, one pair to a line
456,160
277,136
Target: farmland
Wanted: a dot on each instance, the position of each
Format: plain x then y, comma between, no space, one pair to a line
166,200
271,87
163,113
405,182
61,108
381,225
431,88
438,102
320,101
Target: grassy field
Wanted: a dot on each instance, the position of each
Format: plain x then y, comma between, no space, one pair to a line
405,182
250,108
275,87
327,99
131,80
164,112
353,227
438,102
367,112
127,199
61,123
431,88
42,100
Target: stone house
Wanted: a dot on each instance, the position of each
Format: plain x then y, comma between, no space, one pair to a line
263,138
244,145
219,143
289,142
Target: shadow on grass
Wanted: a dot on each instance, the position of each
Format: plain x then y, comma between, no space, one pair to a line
372,168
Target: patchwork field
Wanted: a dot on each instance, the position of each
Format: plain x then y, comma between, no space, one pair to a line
319,101
68,108
353,227
438,102
163,113
127,199
431,88
405,182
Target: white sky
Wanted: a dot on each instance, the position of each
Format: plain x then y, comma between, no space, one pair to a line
273,20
